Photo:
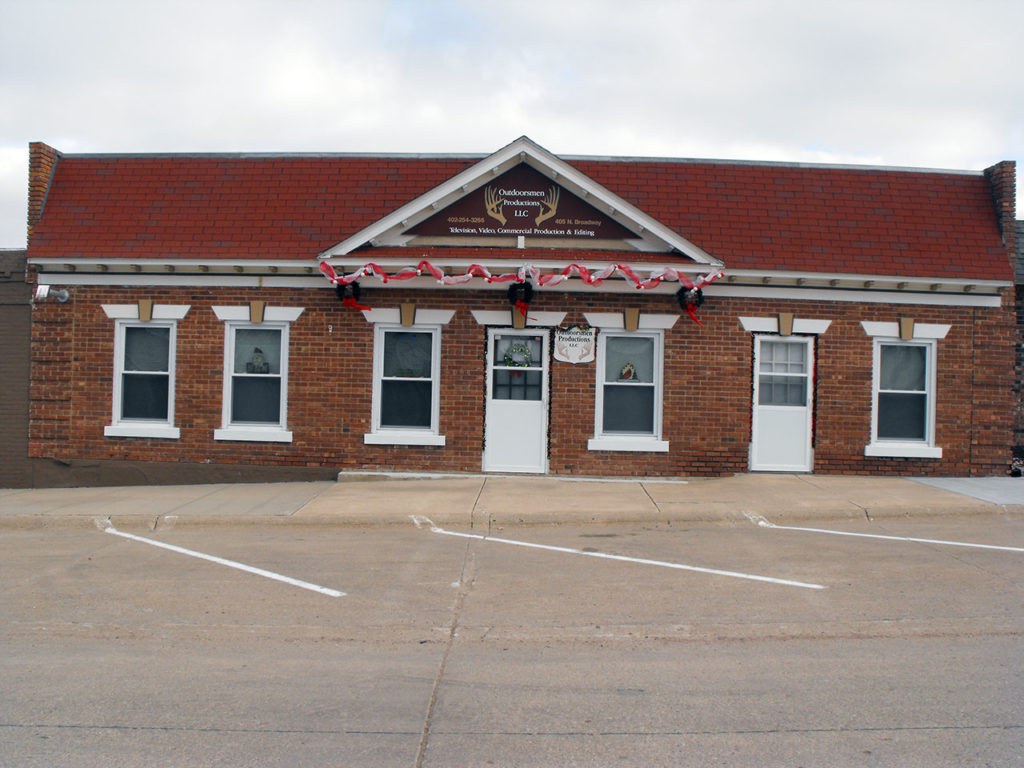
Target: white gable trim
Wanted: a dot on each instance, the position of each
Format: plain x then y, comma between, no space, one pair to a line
653,235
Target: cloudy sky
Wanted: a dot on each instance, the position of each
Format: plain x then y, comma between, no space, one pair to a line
936,83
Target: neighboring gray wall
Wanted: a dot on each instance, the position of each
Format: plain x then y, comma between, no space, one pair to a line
15,314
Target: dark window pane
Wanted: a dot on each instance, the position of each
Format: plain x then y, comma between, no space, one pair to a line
901,416
407,354
146,349
629,409
903,367
405,403
782,390
144,396
256,399
516,385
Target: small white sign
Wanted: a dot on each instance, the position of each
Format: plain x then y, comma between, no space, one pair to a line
576,344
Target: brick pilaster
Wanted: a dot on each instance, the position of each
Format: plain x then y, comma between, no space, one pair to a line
42,162
1003,179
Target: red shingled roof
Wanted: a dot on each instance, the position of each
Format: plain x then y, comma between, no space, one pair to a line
751,216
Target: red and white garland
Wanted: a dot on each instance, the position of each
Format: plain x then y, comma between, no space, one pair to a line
521,276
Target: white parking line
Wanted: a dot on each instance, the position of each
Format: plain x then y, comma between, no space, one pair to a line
420,521
761,522
230,563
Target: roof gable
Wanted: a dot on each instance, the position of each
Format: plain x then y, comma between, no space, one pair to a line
476,194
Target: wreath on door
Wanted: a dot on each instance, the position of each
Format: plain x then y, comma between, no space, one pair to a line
518,356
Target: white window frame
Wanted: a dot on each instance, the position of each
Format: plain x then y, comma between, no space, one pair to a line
902,448
121,426
235,319
620,441
127,316
379,435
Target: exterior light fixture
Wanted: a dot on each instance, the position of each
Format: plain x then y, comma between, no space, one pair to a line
46,291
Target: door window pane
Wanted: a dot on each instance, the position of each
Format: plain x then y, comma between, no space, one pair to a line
518,352
510,384
783,357
782,390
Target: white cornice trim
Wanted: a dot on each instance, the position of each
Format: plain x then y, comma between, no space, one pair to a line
160,311
771,325
892,330
270,314
856,296
616,321
503,317
423,316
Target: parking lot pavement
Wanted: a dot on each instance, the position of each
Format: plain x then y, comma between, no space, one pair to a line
451,651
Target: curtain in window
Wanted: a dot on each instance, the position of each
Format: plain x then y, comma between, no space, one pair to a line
145,375
406,386
902,393
256,379
629,385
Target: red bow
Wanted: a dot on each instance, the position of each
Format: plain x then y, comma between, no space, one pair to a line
351,303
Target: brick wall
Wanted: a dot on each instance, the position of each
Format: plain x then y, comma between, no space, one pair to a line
708,373
1018,385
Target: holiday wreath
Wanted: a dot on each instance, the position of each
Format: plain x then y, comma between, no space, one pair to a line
524,359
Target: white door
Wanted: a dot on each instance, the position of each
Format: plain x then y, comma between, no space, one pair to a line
516,421
783,388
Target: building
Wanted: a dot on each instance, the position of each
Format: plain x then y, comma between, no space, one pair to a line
1018,434
520,312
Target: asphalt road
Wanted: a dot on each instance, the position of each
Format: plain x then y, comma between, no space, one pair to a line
700,645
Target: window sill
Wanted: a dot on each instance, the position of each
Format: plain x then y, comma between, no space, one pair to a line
164,431
638,444
254,434
402,437
897,450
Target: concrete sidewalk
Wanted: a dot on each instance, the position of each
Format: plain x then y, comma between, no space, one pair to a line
479,500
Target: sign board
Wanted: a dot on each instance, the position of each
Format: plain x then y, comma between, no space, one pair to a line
576,344
521,201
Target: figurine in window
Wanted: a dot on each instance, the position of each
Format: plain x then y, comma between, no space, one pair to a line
258,364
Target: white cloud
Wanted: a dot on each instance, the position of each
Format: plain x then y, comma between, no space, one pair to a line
897,82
